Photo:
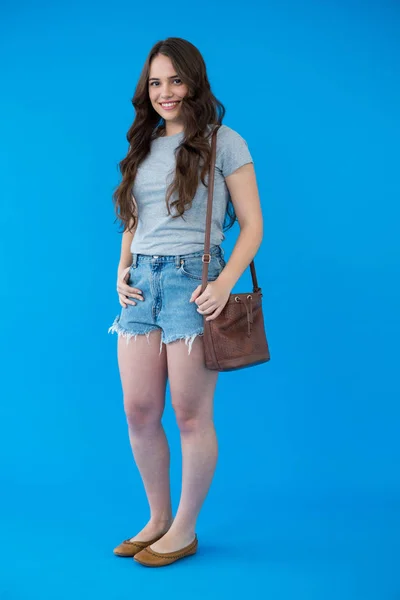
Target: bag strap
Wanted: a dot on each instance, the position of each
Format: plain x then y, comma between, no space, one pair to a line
206,258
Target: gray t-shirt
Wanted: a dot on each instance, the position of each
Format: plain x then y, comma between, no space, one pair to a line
159,233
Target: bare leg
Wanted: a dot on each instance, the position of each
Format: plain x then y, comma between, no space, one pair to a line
192,392
143,374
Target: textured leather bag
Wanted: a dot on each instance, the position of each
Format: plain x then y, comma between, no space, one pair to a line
236,338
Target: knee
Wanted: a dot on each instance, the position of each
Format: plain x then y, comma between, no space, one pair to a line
188,420
141,413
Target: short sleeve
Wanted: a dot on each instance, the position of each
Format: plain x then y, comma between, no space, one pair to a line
232,151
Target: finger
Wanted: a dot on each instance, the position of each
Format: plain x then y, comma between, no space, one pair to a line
208,304
208,310
125,295
137,296
124,276
133,290
128,301
205,295
203,298
128,291
195,294
215,315
124,287
206,299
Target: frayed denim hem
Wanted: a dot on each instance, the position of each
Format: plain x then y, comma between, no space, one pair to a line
116,328
189,339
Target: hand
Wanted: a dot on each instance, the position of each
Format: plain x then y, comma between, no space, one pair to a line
212,301
124,290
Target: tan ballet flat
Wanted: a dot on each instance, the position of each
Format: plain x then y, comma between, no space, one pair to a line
127,548
150,558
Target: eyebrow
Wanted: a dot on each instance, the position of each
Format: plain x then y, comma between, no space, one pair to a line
156,78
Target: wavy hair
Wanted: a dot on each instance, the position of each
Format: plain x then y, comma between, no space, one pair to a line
199,109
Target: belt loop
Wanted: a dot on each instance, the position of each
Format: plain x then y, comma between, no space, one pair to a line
177,261
134,260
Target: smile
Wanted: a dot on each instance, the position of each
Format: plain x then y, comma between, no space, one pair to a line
169,105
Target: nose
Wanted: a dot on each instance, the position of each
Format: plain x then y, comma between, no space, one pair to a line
165,91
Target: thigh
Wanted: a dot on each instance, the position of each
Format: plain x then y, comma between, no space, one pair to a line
143,372
192,385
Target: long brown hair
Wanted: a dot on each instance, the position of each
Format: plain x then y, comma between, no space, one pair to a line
199,109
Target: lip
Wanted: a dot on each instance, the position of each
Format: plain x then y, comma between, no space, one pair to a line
170,107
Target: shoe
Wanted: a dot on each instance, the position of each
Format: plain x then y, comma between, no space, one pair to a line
150,558
127,548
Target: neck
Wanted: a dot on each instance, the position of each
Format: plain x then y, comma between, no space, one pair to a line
173,128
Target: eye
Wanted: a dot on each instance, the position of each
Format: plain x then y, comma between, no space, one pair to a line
178,79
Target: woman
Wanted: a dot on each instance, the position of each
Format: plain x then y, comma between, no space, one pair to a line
161,202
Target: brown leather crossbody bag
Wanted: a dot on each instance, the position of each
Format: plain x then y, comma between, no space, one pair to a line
236,338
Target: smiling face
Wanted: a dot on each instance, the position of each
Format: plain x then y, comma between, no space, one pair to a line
166,89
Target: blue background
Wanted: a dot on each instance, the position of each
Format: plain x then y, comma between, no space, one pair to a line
306,496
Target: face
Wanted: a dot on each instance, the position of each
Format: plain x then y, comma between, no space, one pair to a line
166,87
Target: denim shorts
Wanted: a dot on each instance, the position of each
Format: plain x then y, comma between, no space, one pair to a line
167,283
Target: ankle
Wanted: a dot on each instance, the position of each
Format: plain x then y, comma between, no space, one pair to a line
184,528
162,521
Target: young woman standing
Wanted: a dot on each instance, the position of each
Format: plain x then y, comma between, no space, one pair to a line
162,201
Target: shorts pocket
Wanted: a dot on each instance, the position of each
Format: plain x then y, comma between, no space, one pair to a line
193,267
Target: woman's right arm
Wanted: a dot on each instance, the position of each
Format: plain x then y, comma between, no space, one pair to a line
126,292
126,255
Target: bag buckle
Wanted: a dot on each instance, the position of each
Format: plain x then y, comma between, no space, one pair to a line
204,260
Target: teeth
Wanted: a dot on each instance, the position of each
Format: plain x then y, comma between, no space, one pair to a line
168,103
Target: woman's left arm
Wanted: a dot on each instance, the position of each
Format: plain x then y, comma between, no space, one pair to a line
242,186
